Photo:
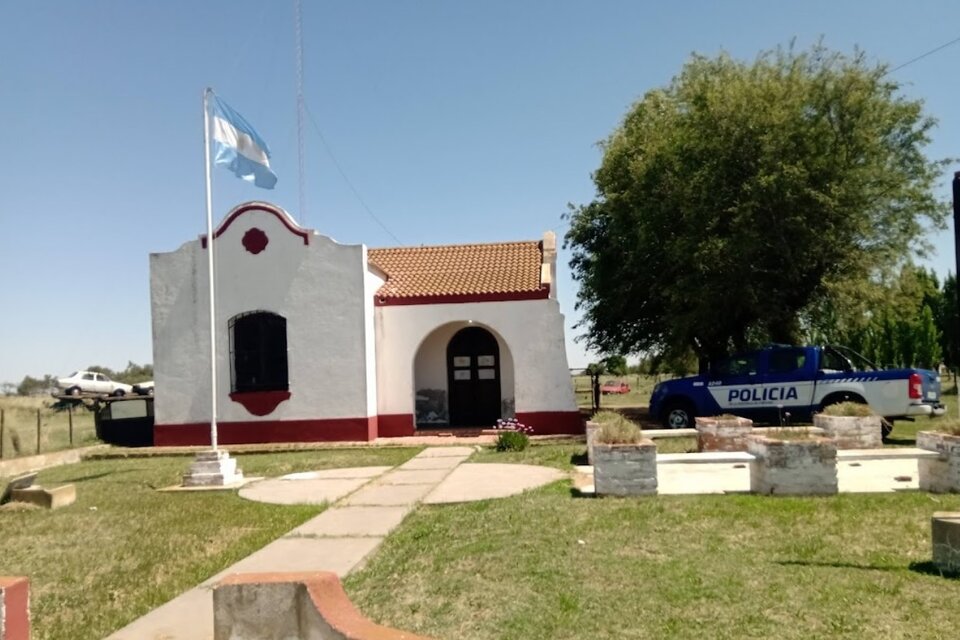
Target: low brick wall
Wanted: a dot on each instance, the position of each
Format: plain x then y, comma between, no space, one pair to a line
793,467
852,432
625,469
940,474
292,606
945,533
722,433
14,608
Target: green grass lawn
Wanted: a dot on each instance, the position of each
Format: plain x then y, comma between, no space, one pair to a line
124,548
546,564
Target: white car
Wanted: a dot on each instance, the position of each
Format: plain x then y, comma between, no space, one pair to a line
143,388
92,382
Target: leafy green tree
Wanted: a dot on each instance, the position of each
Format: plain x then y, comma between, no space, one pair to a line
133,373
927,336
948,321
31,386
732,201
615,365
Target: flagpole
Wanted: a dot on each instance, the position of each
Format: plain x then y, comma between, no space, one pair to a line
213,317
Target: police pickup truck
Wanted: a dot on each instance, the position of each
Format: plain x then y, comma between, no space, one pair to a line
778,384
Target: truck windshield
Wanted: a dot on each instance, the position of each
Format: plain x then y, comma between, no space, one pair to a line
845,359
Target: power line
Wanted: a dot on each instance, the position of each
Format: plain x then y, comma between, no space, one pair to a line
298,34
343,175
924,55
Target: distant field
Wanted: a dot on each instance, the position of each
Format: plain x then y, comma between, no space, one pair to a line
19,436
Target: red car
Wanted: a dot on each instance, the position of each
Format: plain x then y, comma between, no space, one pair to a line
615,386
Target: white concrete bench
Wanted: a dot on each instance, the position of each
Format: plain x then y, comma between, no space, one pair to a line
897,453
707,457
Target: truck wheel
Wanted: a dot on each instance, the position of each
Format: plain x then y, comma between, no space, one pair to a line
886,428
678,415
837,398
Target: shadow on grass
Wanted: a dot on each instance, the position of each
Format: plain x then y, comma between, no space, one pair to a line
930,569
579,459
900,442
839,565
98,476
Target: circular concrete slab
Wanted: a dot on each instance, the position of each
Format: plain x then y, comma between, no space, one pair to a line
479,481
311,487
277,491
349,472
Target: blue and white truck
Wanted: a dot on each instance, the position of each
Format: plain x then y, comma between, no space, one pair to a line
780,384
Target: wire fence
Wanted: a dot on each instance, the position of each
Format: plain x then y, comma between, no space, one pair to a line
30,426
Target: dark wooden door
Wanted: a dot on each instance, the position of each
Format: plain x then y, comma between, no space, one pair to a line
473,378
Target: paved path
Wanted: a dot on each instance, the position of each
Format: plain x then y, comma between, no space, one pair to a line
368,503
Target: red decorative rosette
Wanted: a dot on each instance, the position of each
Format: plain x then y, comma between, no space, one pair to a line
255,241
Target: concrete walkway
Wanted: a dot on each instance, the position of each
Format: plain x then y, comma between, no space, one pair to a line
368,503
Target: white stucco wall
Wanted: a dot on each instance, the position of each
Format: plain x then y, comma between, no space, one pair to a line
323,291
529,331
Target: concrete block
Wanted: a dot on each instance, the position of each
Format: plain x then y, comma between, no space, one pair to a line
723,433
47,498
940,474
625,469
14,608
213,469
945,533
852,432
793,467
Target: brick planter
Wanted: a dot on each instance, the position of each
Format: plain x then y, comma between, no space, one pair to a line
723,433
945,534
941,474
625,469
14,608
852,432
793,467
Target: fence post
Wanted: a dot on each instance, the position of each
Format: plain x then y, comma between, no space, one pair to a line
38,431
2,416
70,419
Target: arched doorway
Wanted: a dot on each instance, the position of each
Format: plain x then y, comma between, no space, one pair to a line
473,378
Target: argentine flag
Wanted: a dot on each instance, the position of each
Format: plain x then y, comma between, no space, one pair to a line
239,147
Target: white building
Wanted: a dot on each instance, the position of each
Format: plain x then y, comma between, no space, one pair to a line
322,341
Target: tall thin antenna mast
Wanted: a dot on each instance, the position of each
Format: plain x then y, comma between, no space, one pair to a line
298,26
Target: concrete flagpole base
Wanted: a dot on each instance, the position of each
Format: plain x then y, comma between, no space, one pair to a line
213,468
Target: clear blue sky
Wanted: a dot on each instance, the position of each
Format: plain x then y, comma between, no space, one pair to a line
454,121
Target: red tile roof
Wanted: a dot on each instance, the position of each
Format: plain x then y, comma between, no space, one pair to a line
459,270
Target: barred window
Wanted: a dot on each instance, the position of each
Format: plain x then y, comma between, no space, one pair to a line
258,352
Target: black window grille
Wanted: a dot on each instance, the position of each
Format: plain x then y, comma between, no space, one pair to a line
258,352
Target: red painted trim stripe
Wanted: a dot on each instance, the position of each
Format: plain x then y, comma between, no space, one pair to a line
396,425
459,298
552,422
259,206
327,430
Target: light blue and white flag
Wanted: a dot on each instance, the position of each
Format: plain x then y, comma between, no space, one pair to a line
239,147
